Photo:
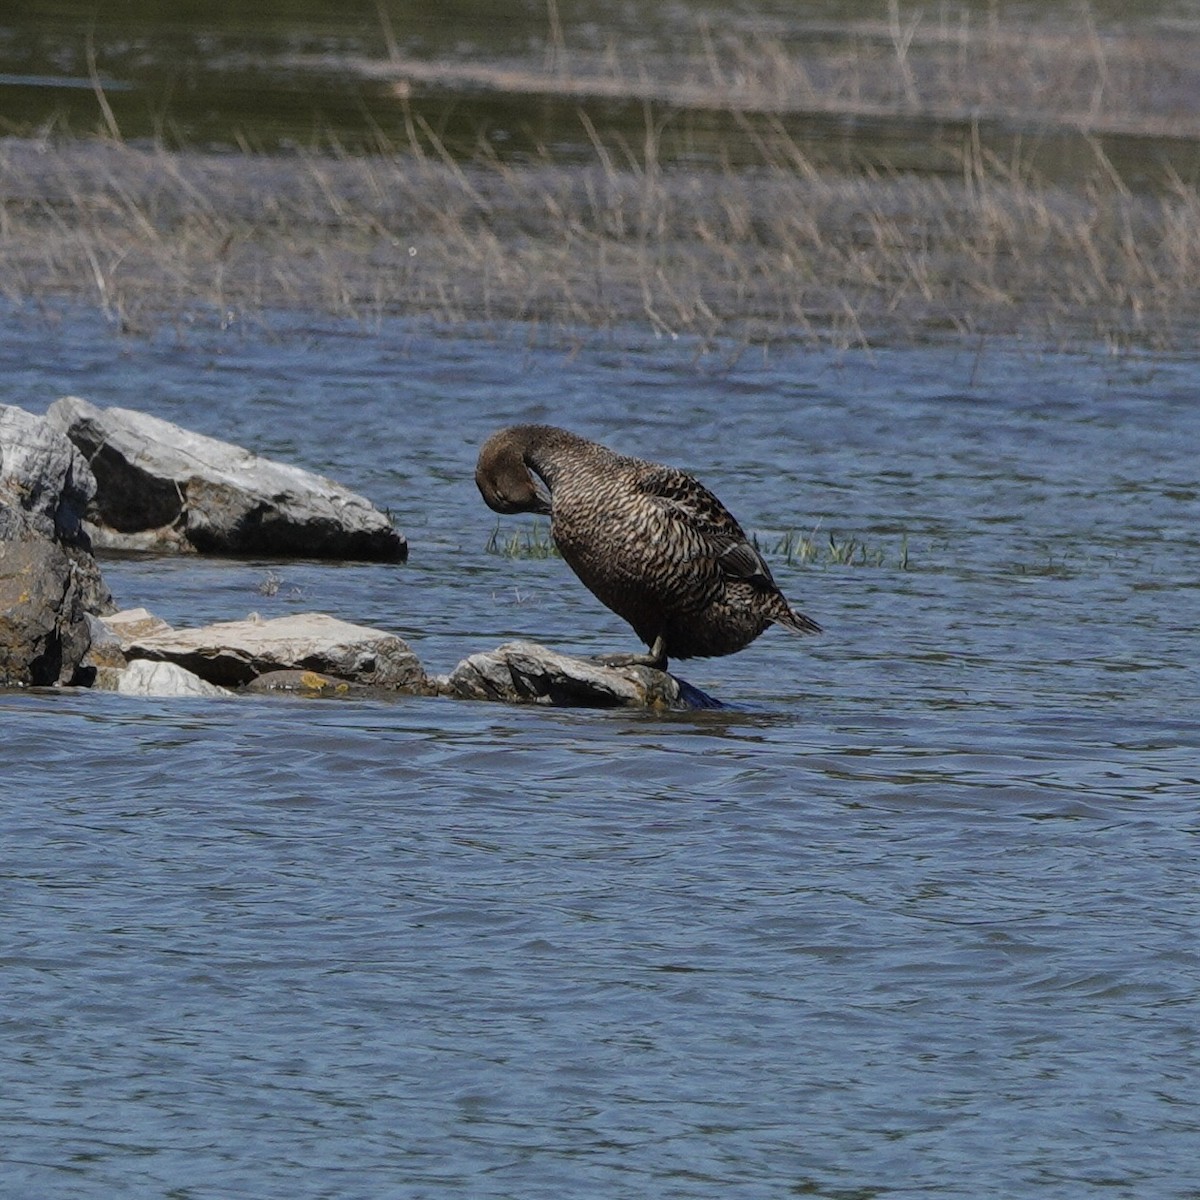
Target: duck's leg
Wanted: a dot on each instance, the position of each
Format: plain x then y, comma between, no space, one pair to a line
657,658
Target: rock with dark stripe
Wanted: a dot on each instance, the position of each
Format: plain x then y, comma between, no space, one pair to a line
649,541
163,488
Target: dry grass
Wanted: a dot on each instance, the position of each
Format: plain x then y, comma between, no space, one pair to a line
780,252
771,246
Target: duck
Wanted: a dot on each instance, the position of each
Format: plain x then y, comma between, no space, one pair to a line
649,541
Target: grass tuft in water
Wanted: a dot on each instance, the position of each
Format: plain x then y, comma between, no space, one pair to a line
533,541
796,549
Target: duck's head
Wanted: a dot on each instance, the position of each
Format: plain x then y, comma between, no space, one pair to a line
503,477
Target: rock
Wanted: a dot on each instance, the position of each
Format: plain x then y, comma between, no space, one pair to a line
164,488
43,474
104,653
131,623
145,678
524,672
45,489
49,582
307,684
232,653
44,601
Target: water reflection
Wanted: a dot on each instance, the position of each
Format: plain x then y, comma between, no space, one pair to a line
835,86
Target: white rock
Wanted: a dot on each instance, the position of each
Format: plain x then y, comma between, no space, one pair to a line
145,678
162,487
43,474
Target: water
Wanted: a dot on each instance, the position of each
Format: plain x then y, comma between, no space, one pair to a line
917,918
469,78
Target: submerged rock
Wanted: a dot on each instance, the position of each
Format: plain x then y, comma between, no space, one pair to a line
308,684
524,672
232,653
164,488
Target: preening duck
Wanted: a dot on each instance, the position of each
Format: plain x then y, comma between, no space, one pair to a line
649,541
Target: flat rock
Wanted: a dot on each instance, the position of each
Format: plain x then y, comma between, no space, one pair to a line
144,678
232,653
164,488
132,623
526,673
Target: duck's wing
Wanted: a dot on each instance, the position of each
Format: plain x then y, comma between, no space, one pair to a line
706,524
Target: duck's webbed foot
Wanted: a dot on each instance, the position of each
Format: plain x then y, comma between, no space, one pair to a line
656,658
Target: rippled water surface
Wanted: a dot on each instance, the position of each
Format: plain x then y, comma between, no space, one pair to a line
917,917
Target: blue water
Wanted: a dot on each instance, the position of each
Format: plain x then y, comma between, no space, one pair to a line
918,917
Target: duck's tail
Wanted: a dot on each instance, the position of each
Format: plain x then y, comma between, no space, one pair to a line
789,618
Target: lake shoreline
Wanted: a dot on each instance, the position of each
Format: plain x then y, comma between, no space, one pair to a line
888,176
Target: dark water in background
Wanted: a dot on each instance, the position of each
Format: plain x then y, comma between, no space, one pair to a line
288,74
919,918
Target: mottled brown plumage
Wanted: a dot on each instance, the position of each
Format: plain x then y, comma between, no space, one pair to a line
649,541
